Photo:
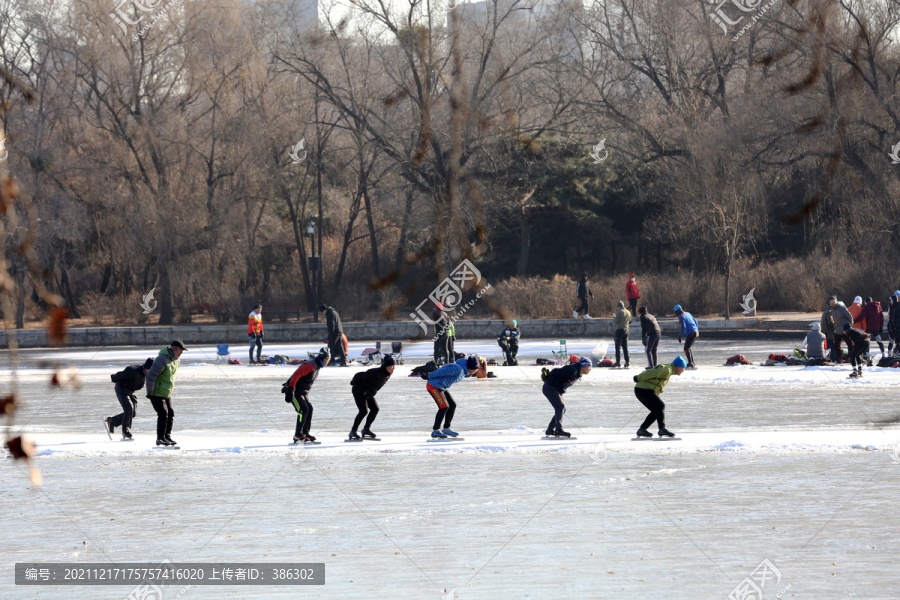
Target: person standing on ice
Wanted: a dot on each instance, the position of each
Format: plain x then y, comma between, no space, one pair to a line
689,331
874,320
555,385
621,322
856,310
893,323
364,387
127,381
255,333
442,354
438,387
335,334
582,291
632,293
296,392
860,346
160,385
649,335
509,343
827,327
648,387
841,317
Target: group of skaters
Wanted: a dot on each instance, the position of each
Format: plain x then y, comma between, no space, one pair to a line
158,375
650,331
855,326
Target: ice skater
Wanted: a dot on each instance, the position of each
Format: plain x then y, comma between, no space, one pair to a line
364,386
648,386
649,335
255,333
621,323
860,346
874,320
160,385
582,291
438,387
335,335
128,381
555,385
509,343
689,331
296,392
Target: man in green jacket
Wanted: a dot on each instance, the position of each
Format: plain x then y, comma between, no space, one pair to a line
160,383
621,322
648,386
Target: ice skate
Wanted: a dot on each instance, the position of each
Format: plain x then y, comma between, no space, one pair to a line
437,434
663,432
644,433
353,436
368,433
449,432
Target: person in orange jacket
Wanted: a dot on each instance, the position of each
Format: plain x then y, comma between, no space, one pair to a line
856,309
255,333
632,293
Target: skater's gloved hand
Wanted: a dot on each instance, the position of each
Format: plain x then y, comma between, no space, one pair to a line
423,375
635,378
262,334
679,339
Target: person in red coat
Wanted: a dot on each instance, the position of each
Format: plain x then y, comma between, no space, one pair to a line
632,293
874,320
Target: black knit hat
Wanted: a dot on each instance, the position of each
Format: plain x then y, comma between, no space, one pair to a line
148,363
322,307
388,361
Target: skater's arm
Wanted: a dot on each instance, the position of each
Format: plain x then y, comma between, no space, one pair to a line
158,365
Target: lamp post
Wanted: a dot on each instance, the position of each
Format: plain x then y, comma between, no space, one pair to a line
314,264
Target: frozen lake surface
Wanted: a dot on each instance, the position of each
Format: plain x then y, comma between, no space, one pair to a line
796,466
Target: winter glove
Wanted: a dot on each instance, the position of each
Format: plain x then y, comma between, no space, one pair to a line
262,334
112,378
545,372
679,339
288,393
424,375
635,378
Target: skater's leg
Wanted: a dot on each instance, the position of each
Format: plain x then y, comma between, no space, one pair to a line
689,354
258,347
655,405
307,417
877,337
451,410
514,350
363,409
618,342
170,416
159,405
652,347
124,399
252,339
441,401
304,414
632,305
625,346
373,412
558,404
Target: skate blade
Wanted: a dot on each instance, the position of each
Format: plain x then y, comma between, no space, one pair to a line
656,439
558,437
446,439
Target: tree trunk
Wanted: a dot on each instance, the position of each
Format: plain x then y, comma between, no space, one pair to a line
524,243
164,293
403,244
20,298
727,284
371,223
